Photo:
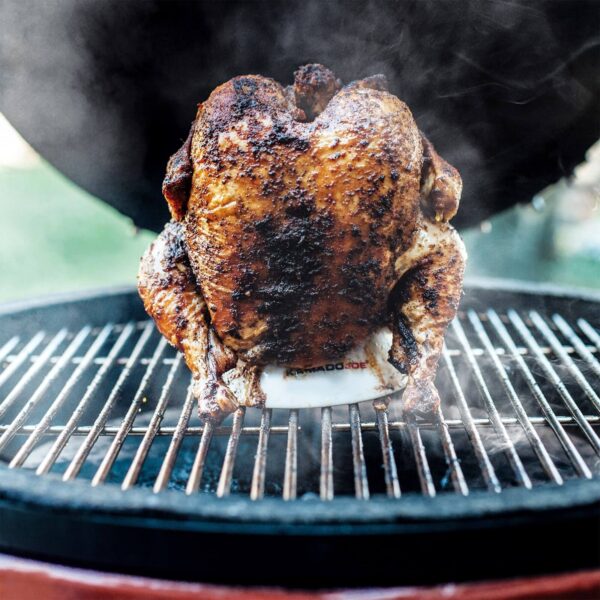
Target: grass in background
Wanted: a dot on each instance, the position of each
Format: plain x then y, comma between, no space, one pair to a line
54,237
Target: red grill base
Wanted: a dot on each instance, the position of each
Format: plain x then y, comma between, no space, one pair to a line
24,579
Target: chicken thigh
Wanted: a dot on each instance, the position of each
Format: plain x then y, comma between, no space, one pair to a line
304,218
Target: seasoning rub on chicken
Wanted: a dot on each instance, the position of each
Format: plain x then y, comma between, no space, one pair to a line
304,218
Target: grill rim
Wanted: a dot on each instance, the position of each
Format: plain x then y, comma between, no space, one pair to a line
144,539
340,515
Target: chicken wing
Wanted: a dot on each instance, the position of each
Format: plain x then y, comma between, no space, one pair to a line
168,289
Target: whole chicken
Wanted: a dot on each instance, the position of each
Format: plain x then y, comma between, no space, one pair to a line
304,219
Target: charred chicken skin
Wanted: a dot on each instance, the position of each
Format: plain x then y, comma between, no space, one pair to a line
304,218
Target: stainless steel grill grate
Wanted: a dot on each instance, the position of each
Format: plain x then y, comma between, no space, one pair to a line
520,407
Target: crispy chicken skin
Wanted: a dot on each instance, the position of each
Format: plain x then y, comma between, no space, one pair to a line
304,218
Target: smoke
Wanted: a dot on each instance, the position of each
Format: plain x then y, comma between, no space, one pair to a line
106,90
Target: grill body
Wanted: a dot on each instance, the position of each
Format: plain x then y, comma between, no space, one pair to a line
30,580
502,482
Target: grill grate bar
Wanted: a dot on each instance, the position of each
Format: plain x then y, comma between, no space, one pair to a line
454,469
361,483
257,489
127,422
326,480
567,360
578,343
590,332
497,422
540,398
85,448
423,469
22,357
178,435
193,484
488,472
71,427
556,381
33,370
392,483
290,477
224,486
8,348
43,386
49,415
157,417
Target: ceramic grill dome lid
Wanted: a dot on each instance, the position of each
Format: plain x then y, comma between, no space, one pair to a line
106,92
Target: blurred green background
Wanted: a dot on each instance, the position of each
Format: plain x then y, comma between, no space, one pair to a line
54,237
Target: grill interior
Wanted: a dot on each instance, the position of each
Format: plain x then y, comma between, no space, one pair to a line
111,404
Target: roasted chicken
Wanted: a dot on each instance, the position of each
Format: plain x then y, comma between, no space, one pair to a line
304,218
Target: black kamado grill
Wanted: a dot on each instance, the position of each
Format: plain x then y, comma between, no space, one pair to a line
103,461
